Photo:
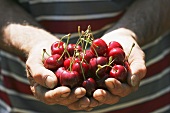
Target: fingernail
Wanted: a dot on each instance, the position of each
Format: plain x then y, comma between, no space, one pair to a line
80,92
134,80
109,84
49,82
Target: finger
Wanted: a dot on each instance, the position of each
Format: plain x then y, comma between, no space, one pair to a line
81,104
50,97
40,74
105,97
118,88
93,103
74,96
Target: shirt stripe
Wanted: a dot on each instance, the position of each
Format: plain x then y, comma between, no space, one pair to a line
65,27
77,17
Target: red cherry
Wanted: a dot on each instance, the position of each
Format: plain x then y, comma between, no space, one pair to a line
127,66
99,46
70,78
80,67
117,54
57,48
87,56
53,62
59,72
72,47
90,86
119,72
114,44
94,62
69,60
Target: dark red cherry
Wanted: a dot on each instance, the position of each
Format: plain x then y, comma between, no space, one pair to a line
80,67
58,73
67,61
90,86
114,44
72,47
87,55
118,55
119,72
53,62
57,48
99,46
94,62
70,79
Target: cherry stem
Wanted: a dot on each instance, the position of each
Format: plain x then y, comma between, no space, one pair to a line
65,49
111,61
44,51
85,37
107,65
99,67
130,51
82,70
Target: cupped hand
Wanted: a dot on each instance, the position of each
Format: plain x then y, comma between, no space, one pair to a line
43,82
136,59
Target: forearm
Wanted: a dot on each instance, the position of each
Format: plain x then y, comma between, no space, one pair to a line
25,37
148,19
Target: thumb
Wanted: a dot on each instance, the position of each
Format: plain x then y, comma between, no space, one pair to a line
39,73
138,71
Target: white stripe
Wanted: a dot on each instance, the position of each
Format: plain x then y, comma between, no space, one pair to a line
12,92
155,77
78,17
15,93
162,110
2,103
13,75
17,110
158,58
155,41
135,102
12,57
14,110
49,1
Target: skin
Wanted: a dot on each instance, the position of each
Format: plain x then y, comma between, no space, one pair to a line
139,25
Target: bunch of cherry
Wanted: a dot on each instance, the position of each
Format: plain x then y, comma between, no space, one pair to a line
74,65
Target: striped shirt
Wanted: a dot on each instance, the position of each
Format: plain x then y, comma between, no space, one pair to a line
63,16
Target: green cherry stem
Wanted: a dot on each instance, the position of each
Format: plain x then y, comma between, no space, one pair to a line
65,49
130,52
44,51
